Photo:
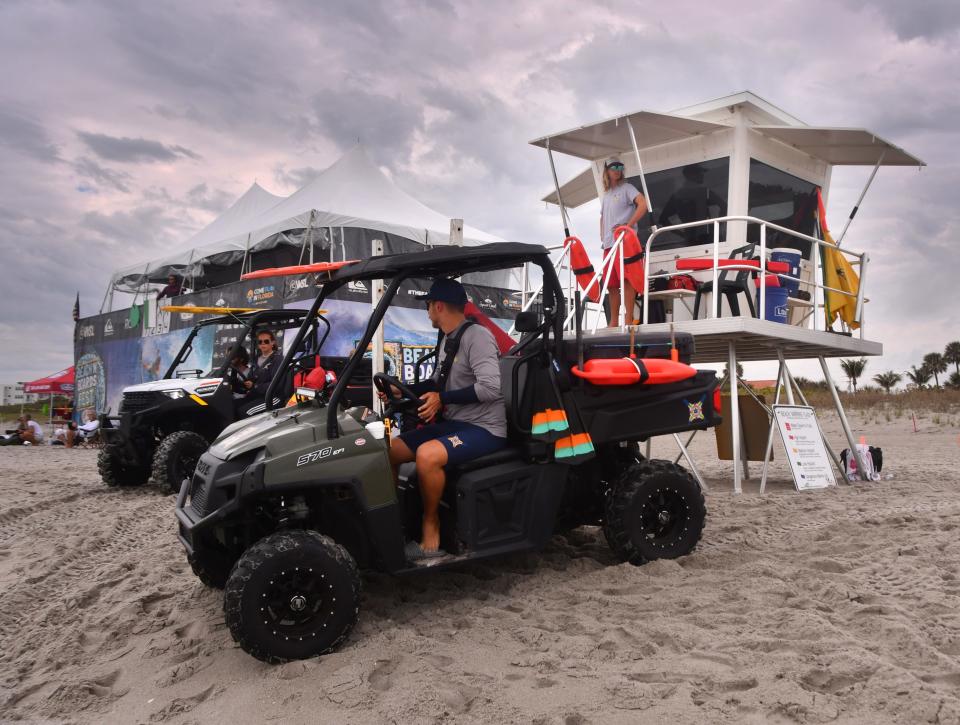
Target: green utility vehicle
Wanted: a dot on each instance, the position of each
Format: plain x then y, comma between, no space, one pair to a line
286,508
164,426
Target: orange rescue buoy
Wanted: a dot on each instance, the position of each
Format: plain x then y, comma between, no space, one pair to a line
633,371
583,269
632,258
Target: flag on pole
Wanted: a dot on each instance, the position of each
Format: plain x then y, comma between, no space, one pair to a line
76,309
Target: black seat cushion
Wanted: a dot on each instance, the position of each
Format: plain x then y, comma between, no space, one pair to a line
504,455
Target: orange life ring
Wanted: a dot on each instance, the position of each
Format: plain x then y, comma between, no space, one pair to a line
583,269
632,258
297,269
631,371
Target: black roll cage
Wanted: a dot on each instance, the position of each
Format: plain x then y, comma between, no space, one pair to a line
554,308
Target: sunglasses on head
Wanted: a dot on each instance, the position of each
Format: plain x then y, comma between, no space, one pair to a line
616,167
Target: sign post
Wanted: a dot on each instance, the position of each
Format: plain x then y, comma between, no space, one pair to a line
803,442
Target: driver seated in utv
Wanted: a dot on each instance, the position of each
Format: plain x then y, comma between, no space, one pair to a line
463,408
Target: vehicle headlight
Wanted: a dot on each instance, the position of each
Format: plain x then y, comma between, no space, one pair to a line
175,394
207,390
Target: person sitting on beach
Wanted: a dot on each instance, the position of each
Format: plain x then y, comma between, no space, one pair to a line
85,431
467,392
29,432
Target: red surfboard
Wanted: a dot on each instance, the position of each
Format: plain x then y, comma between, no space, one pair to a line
297,269
631,371
632,258
582,268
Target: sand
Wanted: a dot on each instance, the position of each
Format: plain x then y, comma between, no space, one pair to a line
831,606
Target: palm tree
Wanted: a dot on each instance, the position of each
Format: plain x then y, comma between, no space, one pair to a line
954,382
934,362
887,380
919,376
854,369
952,354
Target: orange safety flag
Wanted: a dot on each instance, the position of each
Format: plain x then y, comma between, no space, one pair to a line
583,269
632,258
838,273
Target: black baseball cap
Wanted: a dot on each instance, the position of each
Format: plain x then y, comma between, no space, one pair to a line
446,290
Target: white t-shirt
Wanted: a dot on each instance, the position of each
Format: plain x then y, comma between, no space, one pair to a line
37,430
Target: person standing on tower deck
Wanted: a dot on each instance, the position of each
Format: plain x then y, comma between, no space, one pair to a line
621,204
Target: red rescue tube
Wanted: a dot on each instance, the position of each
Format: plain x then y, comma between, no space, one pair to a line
632,257
633,371
297,269
698,265
583,269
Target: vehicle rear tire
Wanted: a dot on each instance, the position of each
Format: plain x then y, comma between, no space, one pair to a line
211,572
655,510
115,472
176,458
292,595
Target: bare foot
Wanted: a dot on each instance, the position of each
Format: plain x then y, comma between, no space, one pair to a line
431,534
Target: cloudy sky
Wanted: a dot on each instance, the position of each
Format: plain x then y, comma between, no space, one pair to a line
125,127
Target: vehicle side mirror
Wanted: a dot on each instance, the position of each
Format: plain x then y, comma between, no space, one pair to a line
527,321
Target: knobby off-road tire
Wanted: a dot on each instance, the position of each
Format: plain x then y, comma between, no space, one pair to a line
655,510
292,595
115,472
176,458
210,572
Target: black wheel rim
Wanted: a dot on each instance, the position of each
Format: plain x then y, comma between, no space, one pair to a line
298,604
184,466
663,517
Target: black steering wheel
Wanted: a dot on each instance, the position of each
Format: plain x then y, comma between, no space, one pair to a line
406,401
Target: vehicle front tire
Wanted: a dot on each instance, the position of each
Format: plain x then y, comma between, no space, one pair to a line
176,458
115,472
292,595
212,572
655,510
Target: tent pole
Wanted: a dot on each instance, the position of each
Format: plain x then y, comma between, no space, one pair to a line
108,294
246,254
556,185
863,193
643,178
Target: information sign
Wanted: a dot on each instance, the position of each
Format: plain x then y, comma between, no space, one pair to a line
804,445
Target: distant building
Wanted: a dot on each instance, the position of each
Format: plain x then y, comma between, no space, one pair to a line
12,394
761,384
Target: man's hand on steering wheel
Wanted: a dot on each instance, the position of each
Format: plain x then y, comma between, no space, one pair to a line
398,396
431,406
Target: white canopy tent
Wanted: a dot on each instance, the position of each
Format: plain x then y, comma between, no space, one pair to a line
352,193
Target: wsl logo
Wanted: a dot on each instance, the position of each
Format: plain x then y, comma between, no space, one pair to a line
298,284
85,331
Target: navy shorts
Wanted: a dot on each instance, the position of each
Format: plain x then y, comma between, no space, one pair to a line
463,441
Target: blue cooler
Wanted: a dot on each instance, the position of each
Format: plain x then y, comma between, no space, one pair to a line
776,301
791,257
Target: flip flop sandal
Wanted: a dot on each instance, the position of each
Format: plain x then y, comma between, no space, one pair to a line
415,552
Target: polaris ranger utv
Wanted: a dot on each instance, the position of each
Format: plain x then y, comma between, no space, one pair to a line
163,426
284,509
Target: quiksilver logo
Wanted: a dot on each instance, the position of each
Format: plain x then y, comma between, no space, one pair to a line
108,327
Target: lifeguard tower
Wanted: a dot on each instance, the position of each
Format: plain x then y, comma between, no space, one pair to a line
727,182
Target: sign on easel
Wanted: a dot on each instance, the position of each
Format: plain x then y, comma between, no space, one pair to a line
803,442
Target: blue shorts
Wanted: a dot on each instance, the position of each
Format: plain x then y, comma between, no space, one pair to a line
463,441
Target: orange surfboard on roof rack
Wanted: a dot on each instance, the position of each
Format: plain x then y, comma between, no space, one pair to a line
318,268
